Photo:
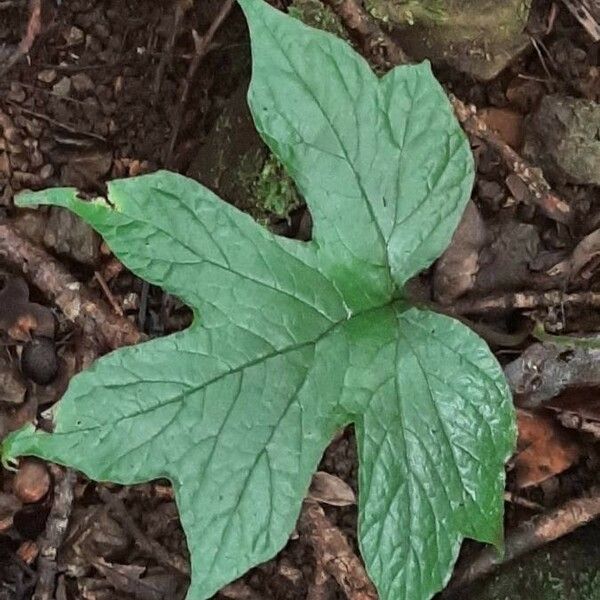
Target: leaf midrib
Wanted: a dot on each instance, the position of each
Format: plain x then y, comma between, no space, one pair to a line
363,192
180,397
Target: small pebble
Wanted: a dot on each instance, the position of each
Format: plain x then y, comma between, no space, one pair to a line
32,481
47,75
16,93
63,87
74,36
82,83
131,301
46,171
37,160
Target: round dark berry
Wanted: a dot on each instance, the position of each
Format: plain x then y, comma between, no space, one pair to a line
39,361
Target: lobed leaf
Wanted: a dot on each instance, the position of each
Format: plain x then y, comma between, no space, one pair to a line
292,340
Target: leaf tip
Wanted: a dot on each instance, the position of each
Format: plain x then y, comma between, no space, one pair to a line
52,196
10,447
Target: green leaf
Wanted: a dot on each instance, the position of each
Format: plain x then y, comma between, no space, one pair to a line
383,164
292,340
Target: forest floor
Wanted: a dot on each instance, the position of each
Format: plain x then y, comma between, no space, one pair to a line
95,90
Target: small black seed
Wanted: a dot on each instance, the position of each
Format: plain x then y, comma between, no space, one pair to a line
39,361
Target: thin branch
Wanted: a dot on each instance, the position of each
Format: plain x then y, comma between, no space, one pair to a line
108,294
384,53
147,545
56,529
34,27
77,303
333,553
541,194
525,301
528,536
587,12
202,46
374,42
181,8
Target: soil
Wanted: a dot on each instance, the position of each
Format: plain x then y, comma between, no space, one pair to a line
99,96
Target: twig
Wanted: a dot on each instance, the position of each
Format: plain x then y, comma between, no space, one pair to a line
34,26
202,46
374,42
524,502
525,301
542,195
547,370
109,295
587,12
59,124
318,588
386,53
77,303
334,554
181,7
528,536
56,529
147,545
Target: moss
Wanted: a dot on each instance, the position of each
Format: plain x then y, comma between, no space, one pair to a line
316,14
464,18
568,569
273,191
478,37
408,12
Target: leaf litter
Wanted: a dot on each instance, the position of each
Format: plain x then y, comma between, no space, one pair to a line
520,93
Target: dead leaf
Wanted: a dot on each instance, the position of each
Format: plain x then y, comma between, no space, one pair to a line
19,317
239,590
93,534
455,271
9,505
28,551
525,94
505,264
128,579
507,123
12,388
86,169
587,251
545,449
329,489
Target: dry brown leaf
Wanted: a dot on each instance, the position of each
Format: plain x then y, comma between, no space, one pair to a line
586,251
545,449
455,271
28,551
9,505
19,317
329,489
507,123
